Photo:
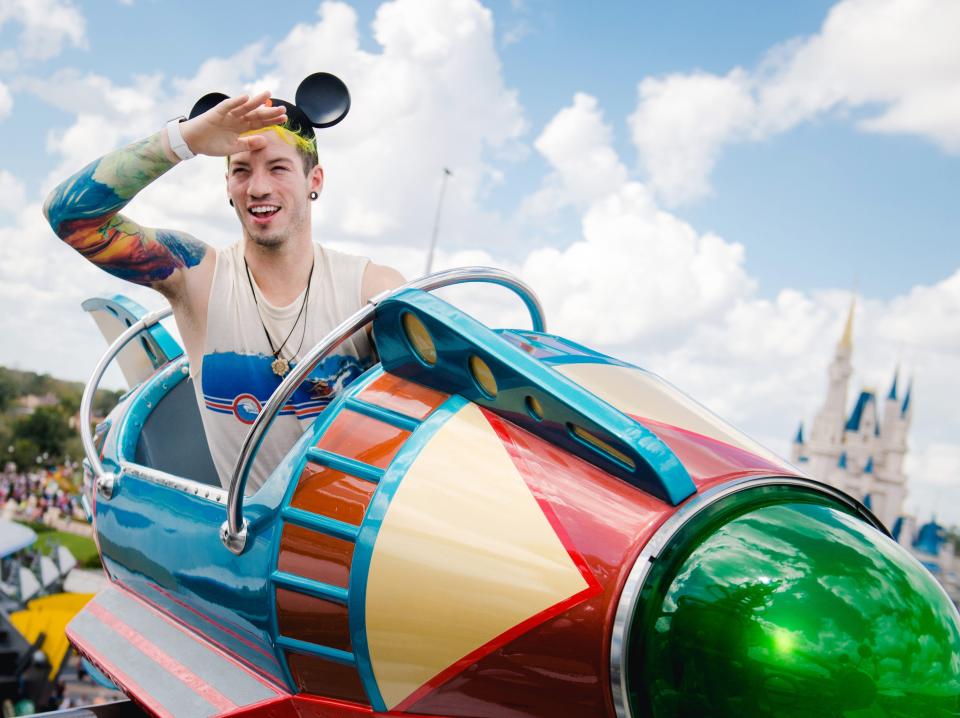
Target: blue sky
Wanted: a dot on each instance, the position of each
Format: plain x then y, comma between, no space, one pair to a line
820,206
695,186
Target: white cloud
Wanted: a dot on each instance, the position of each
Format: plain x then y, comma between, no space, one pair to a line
6,101
637,272
12,193
893,61
899,55
680,124
45,26
577,145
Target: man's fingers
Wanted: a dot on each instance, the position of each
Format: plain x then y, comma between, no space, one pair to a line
231,103
250,104
251,142
268,116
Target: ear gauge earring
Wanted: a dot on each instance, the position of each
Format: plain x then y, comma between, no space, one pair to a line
313,195
230,201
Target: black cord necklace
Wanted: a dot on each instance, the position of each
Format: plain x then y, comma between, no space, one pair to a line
279,365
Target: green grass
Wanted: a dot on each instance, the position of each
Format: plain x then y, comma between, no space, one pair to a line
82,548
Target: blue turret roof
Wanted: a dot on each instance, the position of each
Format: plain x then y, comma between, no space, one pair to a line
906,399
897,528
799,437
842,462
893,387
930,537
865,399
868,501
868,469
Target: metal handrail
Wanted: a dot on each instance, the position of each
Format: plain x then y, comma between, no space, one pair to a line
105,480
233,532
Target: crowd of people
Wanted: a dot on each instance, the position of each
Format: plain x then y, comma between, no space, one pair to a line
43,495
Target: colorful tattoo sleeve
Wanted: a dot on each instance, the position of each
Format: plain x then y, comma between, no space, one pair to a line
84,213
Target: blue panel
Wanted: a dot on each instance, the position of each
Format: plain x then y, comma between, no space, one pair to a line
344,464
363,552
314,649
559,350
388,416
323,524
309,587
164,544
573,418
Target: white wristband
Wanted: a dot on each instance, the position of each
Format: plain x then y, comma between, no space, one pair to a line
177,143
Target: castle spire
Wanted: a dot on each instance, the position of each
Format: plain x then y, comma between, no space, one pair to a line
893,387
906,399
846,340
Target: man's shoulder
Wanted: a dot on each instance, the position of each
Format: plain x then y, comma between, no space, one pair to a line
338,254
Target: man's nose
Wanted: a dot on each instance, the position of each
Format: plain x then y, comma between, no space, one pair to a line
259,185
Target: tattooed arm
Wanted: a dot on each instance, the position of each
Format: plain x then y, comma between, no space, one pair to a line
84,212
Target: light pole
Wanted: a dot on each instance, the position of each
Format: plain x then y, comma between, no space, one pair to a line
436,221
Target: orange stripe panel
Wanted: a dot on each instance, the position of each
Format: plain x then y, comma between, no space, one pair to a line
332,493
406,397
363,438
314,555
313,619
321,677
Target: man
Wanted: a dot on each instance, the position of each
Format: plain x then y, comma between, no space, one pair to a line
248,312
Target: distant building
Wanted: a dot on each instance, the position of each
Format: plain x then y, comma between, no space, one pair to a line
862,452
931,546
26,405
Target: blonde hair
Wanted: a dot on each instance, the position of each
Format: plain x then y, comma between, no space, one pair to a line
306,148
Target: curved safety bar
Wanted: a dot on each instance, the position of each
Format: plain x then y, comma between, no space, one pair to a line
233,532
90,390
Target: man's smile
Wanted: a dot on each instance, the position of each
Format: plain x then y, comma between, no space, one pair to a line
263,213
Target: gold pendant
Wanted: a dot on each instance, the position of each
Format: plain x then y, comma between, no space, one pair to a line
280,366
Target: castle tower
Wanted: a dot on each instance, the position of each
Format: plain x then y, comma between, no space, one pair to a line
796,449
826,434
861,453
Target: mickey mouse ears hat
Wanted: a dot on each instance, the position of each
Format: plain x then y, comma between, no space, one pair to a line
322,100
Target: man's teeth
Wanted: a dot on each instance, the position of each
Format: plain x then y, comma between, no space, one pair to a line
265,209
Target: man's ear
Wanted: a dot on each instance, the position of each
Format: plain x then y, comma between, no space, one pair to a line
316,179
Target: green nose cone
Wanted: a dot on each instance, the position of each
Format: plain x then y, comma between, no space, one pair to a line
791,609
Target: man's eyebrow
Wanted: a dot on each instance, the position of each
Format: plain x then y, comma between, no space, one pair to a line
238,163
275,160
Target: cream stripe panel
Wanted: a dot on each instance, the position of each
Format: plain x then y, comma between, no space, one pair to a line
464,554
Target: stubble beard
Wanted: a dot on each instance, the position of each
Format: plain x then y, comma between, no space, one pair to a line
275,241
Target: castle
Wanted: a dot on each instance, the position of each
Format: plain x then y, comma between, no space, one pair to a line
861,453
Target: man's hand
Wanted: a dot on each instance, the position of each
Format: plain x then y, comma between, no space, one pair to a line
217,131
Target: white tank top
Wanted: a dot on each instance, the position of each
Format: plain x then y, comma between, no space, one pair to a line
236,378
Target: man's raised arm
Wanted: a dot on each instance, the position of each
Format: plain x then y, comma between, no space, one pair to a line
84,211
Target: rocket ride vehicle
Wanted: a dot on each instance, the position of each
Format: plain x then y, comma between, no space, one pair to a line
487,523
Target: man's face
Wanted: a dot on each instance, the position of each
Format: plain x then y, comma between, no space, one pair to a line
270,192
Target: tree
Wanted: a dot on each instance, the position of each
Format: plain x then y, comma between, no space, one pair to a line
104,400
47,429
8,389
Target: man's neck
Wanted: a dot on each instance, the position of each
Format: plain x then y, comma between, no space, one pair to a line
281,272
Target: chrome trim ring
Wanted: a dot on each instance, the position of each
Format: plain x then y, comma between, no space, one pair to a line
172,481
623,620
86,402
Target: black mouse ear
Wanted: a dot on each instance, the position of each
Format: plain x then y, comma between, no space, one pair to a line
324,99
208,101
